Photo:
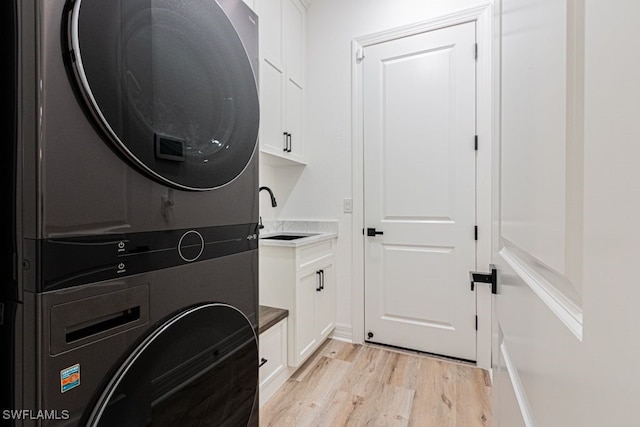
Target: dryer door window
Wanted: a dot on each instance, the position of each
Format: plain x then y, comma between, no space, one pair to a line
199,368
170,84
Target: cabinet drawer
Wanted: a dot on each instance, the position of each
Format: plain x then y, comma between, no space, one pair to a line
273,350
307,255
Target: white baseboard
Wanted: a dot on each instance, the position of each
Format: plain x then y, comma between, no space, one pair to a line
342,332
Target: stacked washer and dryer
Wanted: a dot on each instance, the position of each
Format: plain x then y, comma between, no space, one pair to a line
130,265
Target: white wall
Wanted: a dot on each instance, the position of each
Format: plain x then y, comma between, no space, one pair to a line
316,191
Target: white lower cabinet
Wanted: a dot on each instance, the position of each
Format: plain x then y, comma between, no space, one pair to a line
301,280
274,370
314,304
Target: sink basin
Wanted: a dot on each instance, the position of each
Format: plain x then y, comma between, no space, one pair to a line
288,236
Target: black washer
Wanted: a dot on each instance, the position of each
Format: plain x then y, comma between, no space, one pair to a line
198,368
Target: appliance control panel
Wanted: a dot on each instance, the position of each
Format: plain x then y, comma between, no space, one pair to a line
72,261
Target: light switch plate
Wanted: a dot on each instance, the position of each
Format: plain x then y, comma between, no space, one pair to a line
347,205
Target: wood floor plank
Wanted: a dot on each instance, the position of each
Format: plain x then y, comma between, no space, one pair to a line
308,365
339,410
385,405
434,395
401,370
344,384
471,389
341,350
366,371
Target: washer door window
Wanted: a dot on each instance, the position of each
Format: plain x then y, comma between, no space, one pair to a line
170,84
199,368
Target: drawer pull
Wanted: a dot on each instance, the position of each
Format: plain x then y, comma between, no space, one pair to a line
262,362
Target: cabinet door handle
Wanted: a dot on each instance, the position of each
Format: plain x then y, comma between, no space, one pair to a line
289,142
286,142
321,280
262,362
319,274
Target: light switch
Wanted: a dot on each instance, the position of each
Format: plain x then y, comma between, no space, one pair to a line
347,205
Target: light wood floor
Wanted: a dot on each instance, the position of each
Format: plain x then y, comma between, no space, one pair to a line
344,384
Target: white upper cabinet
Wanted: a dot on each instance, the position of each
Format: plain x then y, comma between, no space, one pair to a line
293,32
282,40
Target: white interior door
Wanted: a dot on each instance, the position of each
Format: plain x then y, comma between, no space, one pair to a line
566,227
419,191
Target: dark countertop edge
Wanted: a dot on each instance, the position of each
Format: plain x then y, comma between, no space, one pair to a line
270,316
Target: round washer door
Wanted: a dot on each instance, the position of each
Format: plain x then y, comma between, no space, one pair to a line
198,368
170,84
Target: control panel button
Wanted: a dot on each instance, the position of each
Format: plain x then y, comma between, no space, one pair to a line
190,246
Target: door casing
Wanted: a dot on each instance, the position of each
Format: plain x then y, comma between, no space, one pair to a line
482,16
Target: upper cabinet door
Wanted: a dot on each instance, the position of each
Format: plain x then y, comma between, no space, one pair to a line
270,15
293,32
282,40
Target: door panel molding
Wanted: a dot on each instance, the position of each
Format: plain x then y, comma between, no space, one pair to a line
425,301
414,321
423,219
569,314
482,16
516,384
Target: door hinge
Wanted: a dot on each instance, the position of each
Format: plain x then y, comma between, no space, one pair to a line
476,323
359,54
476,53
475,232
476,142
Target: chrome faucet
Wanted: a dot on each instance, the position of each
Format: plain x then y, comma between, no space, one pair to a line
273,203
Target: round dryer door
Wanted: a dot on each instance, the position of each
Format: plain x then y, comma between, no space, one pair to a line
198,368
170,84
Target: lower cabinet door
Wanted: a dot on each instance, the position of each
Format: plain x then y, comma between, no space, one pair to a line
274,369
306,335
273,359
325,302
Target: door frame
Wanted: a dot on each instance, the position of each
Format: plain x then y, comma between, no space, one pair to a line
482,16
